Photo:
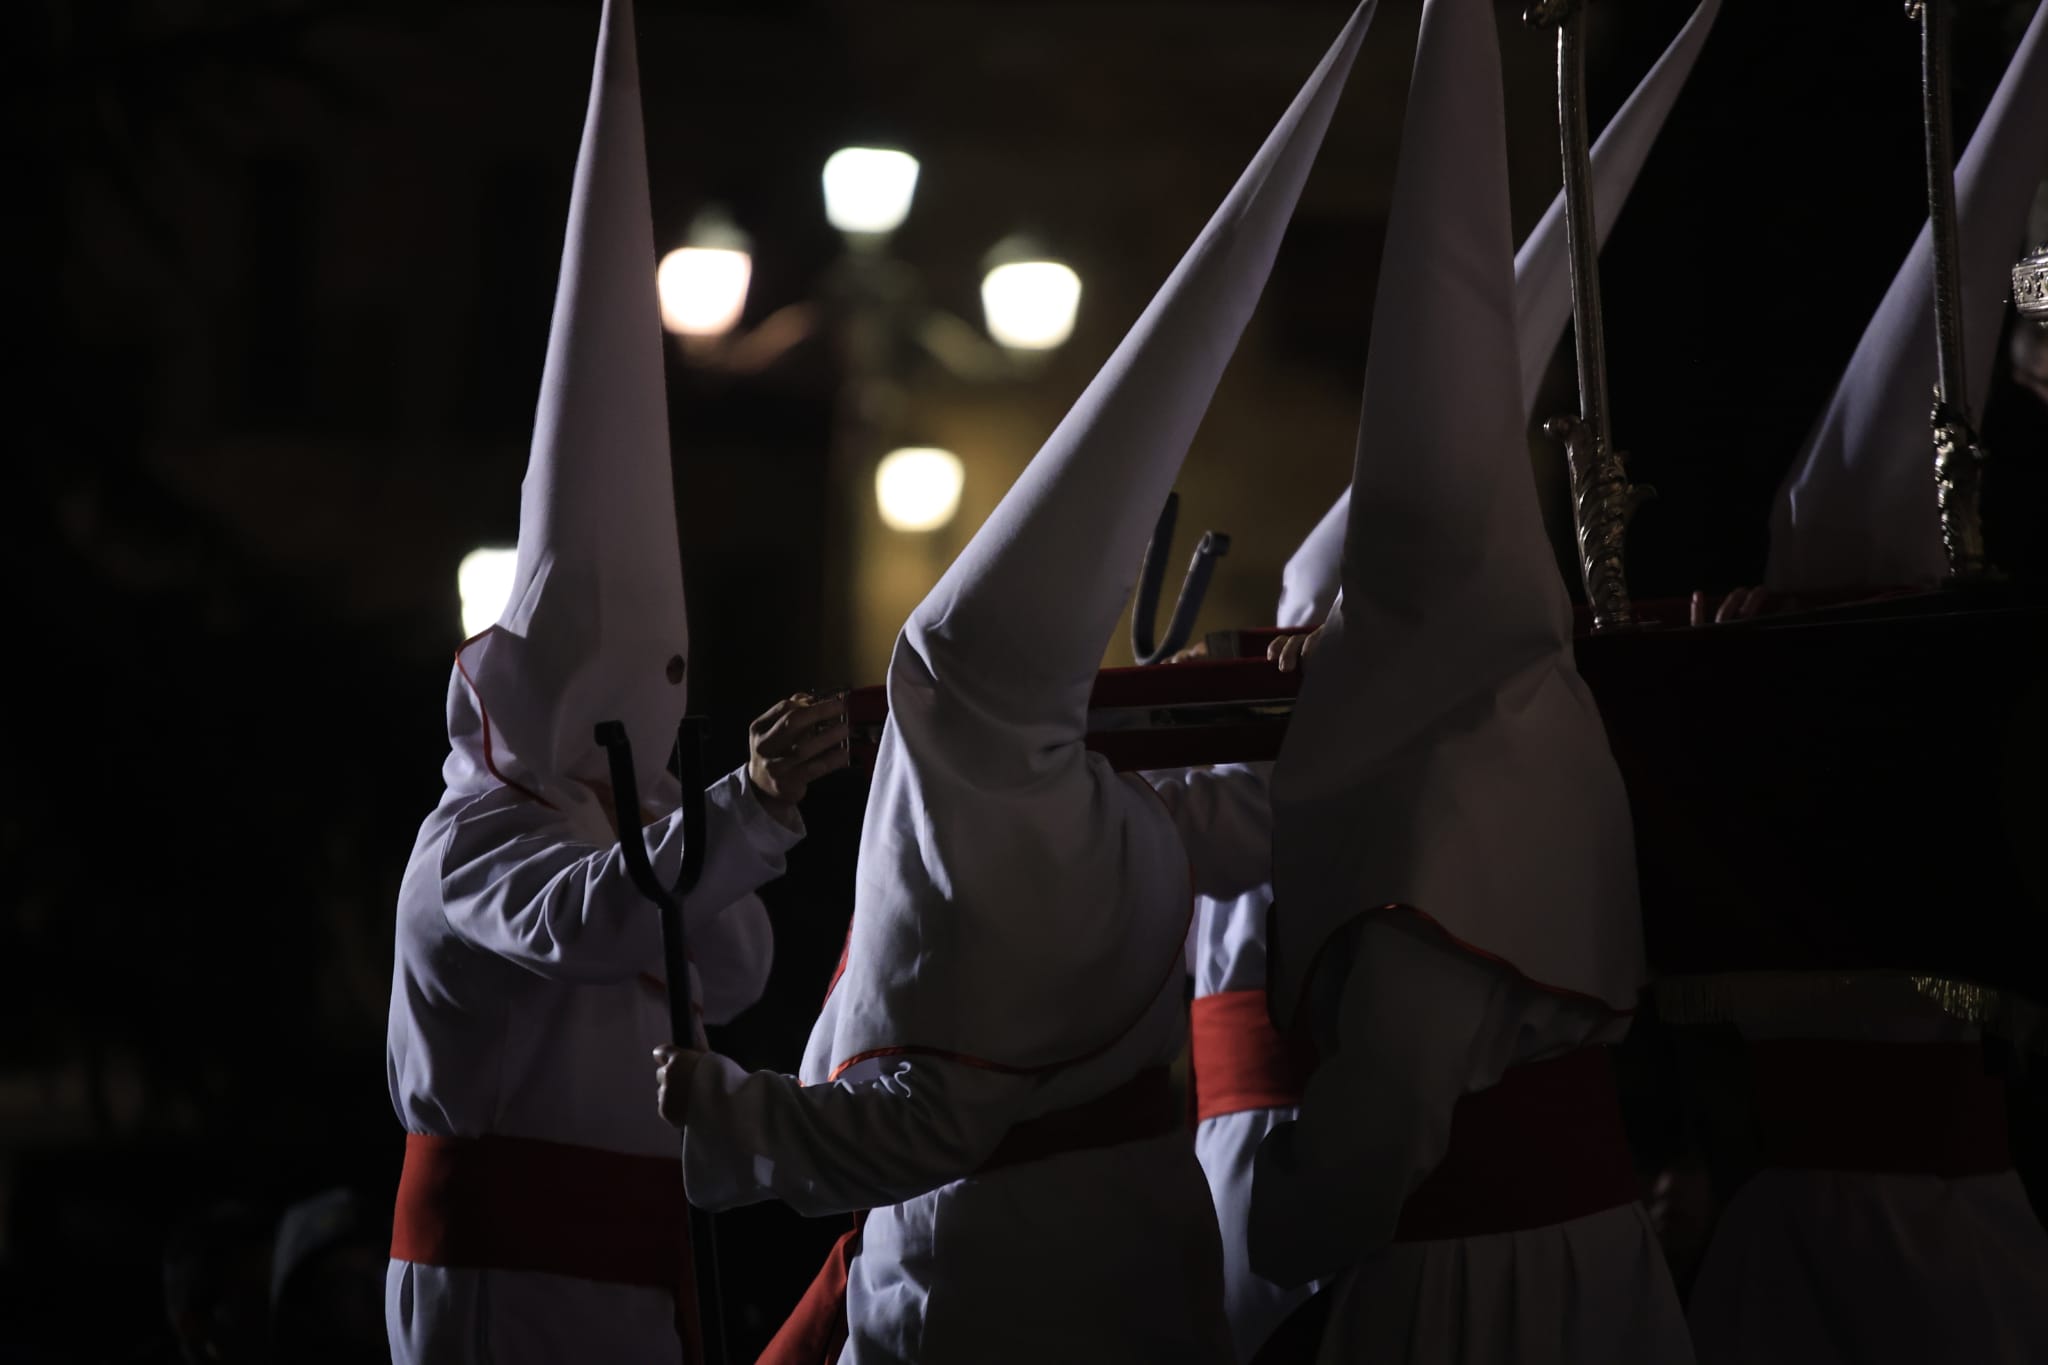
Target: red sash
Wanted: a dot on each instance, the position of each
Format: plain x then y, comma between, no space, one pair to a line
815,1331
1239,1059
1542,1147
1141,1108
504,1203
1919,1108
1545,1145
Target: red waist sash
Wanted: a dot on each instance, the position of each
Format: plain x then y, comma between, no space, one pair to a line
1860,1105
1543,1146
815,1331
1239,1060
1141,1108
505,1203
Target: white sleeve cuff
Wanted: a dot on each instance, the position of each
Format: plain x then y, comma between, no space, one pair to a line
751,804
717,1164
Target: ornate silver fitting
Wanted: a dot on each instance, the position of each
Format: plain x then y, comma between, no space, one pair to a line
2030,285
1603,504
1958,475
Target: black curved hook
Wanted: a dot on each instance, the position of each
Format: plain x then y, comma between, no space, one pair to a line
618,749
1212,547
688,754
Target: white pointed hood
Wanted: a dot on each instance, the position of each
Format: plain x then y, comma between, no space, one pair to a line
594,629
1445,759
1017,902
1858,507
1543,289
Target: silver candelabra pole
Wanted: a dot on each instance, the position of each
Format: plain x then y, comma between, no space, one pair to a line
1603,500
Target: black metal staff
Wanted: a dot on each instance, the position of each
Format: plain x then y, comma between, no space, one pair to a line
1959,453
1212,547
669,900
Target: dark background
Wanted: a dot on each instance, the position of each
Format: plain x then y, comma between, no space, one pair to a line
279,276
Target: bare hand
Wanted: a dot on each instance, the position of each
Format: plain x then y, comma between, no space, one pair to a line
794,743
672,1071
1739,605
1198,650
1289,650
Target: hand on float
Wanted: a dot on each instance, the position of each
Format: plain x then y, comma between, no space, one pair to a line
1289,650
672,1071
794,743
1739,605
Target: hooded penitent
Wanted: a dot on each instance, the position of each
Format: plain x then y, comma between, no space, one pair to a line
594,629
1543,299
1010,888
1445,760
1858,507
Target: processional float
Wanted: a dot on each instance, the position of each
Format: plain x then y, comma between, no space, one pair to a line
1845,794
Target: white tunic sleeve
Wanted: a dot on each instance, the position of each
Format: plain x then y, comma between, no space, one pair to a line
519,880
918,1124
734,955
1225,821
1413,1025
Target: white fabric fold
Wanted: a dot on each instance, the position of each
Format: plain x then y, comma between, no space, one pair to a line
1857,508
525,991
1013,893
595,618
1543,288
1444,754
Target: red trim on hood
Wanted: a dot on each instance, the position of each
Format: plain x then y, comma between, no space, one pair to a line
490,759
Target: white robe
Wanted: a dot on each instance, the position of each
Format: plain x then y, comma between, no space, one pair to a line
1230,955
1813,1267
1104,1255
1406,1025
1227,952
520,1008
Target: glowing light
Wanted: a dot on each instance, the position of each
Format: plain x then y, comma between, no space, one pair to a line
484,580
1030,305
918,489
703,289
868,189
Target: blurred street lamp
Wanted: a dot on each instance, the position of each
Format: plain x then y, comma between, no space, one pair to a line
484,581
918,488
868,190
1028,298
703,285
882,330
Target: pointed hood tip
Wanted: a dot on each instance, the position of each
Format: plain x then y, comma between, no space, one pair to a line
594,627
1542,290
1857,506
1101,477
1447,569
1444,316
1043,888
